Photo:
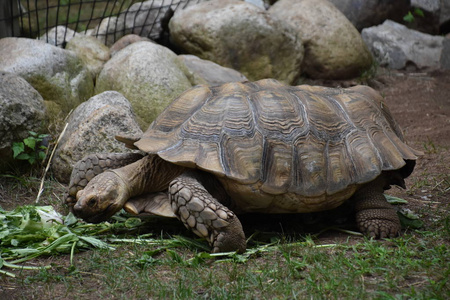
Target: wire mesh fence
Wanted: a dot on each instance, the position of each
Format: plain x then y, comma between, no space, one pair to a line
108,20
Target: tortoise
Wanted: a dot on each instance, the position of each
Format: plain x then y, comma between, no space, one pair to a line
265,147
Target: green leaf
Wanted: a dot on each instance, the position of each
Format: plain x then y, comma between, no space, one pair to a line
409,219
133,222
41,155
419,12
31,160
408,222
18,148
30,142
95,242
70,219
395,200
23,156
409,17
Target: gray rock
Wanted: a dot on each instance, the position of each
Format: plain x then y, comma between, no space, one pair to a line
91,51
444,17
59,36
333,47
21,110
125,41
147,18
150,76
57,74
210,72
445,55
92,127
428,5
109,30
241,36
395,46
258,3
367,13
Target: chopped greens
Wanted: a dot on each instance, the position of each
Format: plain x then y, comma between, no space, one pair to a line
31,231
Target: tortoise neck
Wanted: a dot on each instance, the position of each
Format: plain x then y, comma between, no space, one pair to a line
149,174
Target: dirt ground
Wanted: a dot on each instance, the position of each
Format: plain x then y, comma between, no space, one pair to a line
420,102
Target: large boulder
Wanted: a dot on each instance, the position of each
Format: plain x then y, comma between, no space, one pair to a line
205,71
367,13
59,36
57,74
148,19
333,47
21,110
395,46
150,76
239,35
91,51
91,129
109,30
126,41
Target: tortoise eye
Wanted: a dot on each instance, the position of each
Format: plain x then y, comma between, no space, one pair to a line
92,202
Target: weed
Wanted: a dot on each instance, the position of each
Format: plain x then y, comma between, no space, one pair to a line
32,149
410,17
429,146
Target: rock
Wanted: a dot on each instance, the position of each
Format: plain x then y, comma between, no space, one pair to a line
21,110
367,13
209,72
57,74
395,46
59,36
258,3
333,47
428,5
109,30
445,55
148,75
444,18
241,36
148,19
125,41
91,51
92,127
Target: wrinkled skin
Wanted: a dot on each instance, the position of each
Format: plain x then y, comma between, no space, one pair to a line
105,195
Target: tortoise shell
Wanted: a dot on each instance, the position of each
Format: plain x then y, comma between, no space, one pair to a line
279,148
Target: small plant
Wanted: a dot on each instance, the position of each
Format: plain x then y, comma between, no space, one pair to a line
411,16
32,148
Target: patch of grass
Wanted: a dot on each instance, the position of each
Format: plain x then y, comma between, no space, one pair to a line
415,265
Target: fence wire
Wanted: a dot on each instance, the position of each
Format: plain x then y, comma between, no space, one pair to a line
108,19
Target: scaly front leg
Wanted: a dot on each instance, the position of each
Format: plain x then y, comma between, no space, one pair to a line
205,215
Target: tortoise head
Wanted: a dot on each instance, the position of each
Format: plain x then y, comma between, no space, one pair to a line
102,197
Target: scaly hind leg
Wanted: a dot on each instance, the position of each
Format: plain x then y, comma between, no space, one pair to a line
92,165
375,217
205,215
